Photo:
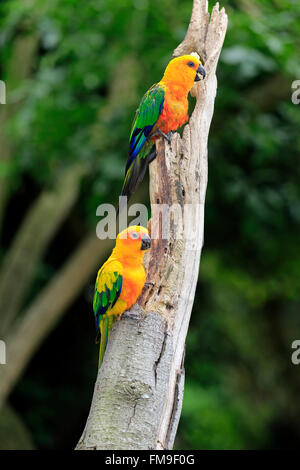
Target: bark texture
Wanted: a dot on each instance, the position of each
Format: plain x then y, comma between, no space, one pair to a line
138,393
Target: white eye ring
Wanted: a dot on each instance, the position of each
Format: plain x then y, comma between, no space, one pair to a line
134,235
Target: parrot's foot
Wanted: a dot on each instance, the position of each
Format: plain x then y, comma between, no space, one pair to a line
162,134
118,317
148,284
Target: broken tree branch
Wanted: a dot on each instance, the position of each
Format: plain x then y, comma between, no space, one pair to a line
138,393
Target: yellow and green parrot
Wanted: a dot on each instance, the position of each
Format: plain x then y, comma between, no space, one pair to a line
119,281
163,109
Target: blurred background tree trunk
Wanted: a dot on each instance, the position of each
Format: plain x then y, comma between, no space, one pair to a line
19,68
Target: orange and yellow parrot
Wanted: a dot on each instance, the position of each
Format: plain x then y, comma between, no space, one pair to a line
119,281
163,109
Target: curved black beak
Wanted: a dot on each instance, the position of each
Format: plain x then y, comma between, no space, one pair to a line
146,242
200,71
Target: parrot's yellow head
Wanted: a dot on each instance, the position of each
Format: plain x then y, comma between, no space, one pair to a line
133,242
184,71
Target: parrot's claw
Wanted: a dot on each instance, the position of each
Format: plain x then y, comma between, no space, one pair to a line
170,135
162,134
148,284
118,317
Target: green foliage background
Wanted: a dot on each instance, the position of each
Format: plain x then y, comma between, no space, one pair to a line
93,63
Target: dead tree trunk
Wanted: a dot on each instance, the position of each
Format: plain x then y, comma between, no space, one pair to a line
138,393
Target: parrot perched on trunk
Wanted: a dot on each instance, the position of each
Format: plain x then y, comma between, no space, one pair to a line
119,281
164,108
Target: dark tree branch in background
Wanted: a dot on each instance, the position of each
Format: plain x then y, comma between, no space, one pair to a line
49,306
32,239
138,394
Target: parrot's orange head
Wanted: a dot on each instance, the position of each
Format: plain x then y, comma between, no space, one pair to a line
184,71
133,241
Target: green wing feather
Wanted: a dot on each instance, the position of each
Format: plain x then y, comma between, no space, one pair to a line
143,125
105,327
108,288
145,119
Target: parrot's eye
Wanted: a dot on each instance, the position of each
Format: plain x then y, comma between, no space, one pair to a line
134,235
191,64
